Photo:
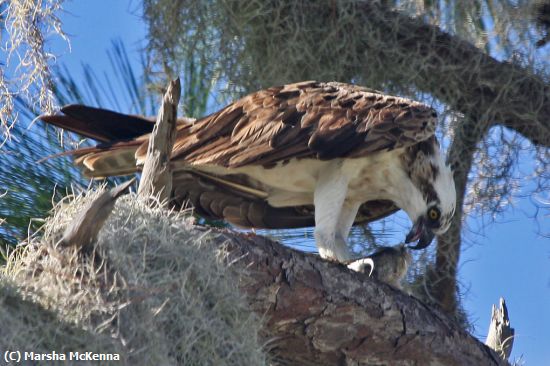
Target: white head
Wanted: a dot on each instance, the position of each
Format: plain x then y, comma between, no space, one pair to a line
431,204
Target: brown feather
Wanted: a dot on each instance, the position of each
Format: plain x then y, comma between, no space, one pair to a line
312,120
336,120
100,124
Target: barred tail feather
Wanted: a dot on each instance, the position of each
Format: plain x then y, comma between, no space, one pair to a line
108,163
120,136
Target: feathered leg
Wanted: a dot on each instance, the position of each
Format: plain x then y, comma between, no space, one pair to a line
329,198
346,219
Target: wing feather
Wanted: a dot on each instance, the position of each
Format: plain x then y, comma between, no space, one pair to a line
100,124
311,120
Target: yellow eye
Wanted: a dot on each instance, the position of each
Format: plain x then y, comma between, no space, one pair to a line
433,214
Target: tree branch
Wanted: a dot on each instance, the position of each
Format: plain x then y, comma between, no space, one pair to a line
321,313
442,280
462,76
501,334
82,231
156,178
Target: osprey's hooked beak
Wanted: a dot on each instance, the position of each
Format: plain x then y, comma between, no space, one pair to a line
420,232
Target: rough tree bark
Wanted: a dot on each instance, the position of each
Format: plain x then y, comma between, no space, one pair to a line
321,313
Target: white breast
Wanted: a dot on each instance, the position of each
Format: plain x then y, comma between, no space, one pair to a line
377,176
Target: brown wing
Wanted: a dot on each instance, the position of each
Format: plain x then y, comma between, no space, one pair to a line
303,120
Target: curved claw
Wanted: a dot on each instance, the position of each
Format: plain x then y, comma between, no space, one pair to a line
360,264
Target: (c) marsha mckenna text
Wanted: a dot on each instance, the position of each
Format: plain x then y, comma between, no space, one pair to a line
18,356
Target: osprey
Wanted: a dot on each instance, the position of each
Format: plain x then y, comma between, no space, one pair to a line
303,154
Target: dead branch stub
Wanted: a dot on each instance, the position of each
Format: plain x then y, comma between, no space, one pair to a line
156,178
83,230
501,335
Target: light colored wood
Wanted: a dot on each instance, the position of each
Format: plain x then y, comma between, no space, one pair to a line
156,177
501,335
82,231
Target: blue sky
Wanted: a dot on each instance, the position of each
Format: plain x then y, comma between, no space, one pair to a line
508,258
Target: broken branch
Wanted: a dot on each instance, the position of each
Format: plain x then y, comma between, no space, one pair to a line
501,335
83,230
156,178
